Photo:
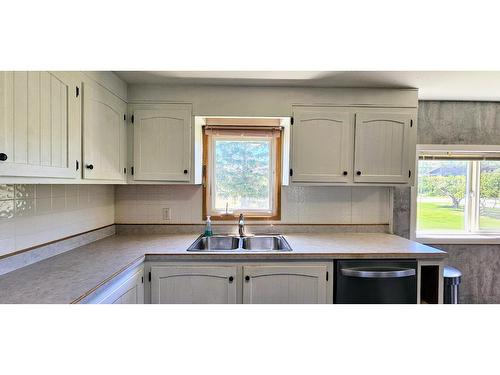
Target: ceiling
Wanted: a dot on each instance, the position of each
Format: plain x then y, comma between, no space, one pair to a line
432,85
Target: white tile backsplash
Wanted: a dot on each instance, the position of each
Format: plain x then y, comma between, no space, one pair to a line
31,215
316,205
144,204
6,192
370,204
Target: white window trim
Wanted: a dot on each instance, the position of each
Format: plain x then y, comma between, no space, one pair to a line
479,237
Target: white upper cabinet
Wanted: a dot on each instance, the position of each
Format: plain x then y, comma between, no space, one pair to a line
162,143
322,145
332,145
285,283
193,284
104,133
63,127
40,124
382,147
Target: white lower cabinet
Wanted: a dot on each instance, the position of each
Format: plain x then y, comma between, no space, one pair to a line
270,282
288,283
193,284
130,292
126,289
220,282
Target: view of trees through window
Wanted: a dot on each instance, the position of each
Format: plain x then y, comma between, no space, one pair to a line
441,191
242,174
489,197
443,203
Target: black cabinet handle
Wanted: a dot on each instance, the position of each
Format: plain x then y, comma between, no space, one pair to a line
3,156
231,279
345,173
185,171
89,166
358,173
247,278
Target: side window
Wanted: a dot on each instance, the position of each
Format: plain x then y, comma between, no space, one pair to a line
458,193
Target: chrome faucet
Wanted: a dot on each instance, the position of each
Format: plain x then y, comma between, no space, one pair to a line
241,226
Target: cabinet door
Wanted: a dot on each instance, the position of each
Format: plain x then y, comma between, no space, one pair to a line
130,291
286,284
382,148
322,145
104,134
162,144
193,284
40,120
127,288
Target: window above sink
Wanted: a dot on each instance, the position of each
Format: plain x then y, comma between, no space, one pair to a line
242,165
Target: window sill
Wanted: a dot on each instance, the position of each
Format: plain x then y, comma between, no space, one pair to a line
476,239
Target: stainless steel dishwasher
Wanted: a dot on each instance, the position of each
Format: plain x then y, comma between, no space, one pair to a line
376,281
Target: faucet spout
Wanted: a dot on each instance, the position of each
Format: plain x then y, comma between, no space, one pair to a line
241,226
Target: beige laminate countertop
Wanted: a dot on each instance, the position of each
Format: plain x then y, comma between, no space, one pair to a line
70,276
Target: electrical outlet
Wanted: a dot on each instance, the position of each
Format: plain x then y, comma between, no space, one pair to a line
166,214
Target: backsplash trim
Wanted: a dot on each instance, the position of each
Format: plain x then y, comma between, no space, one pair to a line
44,252
17,252
257,228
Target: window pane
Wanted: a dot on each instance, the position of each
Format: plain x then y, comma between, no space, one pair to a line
441,196
242,175
489,197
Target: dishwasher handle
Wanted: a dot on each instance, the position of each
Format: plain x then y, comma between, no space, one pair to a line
367,273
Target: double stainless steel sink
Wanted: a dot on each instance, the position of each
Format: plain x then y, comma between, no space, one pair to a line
245,243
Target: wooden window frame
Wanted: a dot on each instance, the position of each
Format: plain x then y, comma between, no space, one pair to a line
207,146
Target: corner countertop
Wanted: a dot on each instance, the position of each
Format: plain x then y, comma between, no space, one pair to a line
68,277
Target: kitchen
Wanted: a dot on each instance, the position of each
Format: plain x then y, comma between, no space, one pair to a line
169,205
324,163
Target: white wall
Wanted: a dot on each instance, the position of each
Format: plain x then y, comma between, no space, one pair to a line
144,204
31,215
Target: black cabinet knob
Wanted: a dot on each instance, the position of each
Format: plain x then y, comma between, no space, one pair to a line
185,171
89,166
345,173
231,279
3,156
358,173
247,278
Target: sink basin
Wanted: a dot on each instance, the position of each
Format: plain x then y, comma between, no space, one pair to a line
215,243
265,243
233,243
